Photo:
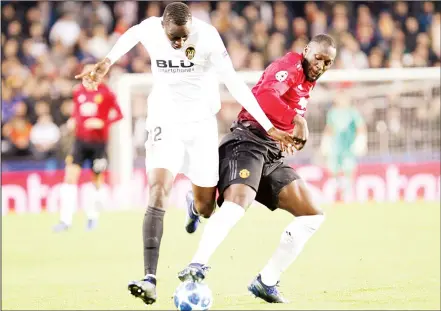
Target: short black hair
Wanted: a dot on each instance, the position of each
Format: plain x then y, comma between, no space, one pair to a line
324,38
178,13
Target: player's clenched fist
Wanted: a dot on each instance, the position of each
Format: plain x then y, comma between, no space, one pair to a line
300,132
93,75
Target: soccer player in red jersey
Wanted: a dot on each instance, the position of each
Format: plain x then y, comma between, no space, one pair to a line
94,111
251,166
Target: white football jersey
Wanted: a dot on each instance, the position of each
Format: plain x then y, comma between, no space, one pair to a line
186,84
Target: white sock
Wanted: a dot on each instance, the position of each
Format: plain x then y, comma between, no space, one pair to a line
217,229
91,210
68,202
293,239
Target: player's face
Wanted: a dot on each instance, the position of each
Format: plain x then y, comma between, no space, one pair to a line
176,34
317,59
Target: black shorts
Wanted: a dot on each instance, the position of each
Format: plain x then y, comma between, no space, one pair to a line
95,152
247,156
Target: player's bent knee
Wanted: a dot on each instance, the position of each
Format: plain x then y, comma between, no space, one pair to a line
240,194
309,208
206,208
158,195
315,209
298,200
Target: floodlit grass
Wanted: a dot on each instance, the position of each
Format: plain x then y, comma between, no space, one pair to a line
365,256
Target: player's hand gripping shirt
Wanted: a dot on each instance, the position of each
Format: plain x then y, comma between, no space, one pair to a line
186,86
100,104
282,92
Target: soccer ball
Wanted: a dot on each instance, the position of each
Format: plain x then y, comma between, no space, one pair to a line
193,296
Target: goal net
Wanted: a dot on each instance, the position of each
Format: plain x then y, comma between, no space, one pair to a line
401,107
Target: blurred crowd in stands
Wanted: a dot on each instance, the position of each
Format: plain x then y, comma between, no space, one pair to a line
45,43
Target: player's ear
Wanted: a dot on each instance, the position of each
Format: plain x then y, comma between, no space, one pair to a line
306,50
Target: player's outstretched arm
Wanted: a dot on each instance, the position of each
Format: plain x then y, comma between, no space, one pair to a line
241,92
93,76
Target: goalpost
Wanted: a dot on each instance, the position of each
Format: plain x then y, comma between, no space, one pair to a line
420,86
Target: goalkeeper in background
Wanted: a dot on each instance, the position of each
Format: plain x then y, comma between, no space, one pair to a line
344,138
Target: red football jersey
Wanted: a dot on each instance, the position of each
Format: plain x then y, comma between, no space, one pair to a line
282,92
94,104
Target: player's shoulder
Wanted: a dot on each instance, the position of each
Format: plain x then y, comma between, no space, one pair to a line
78,89
198,25
204,30
288,67
149,22
104,89
291,62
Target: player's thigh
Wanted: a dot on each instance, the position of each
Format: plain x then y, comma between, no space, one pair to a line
200,165
202,161
240,169
275,177
98,158
74,162
201,155
291,193
79,153
164,151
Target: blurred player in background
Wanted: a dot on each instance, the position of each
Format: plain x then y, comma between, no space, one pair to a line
344,138
252,167
94,112
187,56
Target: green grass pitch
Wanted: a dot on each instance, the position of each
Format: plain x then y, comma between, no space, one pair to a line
365,256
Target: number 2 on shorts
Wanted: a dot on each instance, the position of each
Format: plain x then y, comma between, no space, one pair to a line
157,131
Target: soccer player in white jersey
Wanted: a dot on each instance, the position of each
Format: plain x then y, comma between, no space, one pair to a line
187,56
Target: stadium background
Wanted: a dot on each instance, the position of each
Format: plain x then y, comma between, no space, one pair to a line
380,252
39,62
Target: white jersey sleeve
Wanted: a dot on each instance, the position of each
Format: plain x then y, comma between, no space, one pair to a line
127,41
221,61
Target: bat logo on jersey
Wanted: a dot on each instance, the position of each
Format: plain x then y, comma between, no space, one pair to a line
190,52
282,75
174,66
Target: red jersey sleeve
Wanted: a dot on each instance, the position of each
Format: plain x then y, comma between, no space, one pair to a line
115,111
277,79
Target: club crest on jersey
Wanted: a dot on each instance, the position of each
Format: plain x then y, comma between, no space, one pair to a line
190,52
98,98
244,173
282,75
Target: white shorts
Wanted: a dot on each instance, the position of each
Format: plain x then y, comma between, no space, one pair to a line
190,149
